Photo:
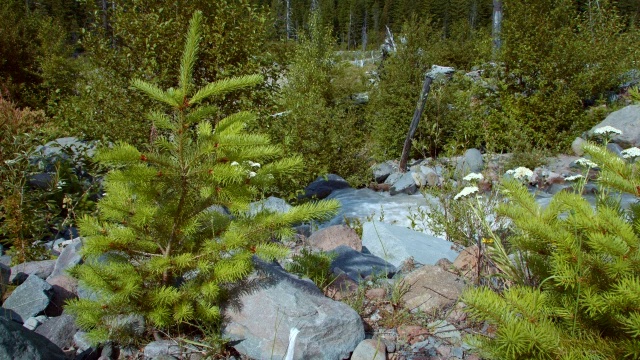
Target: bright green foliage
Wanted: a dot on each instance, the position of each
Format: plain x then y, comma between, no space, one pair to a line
320,120
163,247
579,298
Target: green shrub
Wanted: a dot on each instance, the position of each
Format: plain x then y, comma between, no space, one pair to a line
320,121
138,41
161,248
313,265
579,298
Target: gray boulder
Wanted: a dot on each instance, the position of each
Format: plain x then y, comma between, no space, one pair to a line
470,162
358,265
626,120
260,325
159,348
59,330
323,186
405,184
382,171
397,244
29,299
271,203
576,146
41,269
69,257
18,343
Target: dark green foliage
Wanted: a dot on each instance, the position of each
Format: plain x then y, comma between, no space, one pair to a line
401,75
34,52
163,246
579,296
136,39
313,265
320,121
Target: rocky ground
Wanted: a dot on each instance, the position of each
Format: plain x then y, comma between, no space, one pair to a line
395,294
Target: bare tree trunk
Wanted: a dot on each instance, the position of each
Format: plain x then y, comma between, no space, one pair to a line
473,14
426,87
364,31
497,26
349,30
287,18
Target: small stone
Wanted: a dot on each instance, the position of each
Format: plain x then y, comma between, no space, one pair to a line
162,347
81,341
370,349
31,323
376,294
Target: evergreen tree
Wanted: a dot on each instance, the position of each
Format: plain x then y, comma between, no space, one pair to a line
163,247
579,293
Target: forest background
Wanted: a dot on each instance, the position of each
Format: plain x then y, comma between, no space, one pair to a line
66,68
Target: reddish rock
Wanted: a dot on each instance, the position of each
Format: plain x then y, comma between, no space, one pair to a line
431,288
341,287
376,294
411,332
330,238
467,262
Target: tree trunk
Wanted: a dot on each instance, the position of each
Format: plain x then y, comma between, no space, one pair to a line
287,18
426,86
497,27
364,31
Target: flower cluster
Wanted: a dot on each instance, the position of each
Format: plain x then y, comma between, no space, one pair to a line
521,173
586,163
606,131
251,165
630,153
573,178
473,177
466,191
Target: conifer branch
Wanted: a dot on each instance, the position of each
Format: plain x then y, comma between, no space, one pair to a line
224,86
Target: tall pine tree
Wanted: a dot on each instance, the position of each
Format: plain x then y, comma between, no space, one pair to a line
163,247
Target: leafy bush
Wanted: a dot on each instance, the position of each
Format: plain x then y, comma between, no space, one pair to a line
579,299
135,39
163,247
320,120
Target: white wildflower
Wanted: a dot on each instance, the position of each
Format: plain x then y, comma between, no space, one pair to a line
251,174
586,163
630,153
235,163
606,130
253,164
573,178
521,173
60,184
473,176
466,191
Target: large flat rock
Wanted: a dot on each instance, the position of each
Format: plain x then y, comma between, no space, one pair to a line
396,244
259,327
29,299
18,343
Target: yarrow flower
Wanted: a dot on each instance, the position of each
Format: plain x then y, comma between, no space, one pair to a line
253,164
586,163
521,173
473,176
235,163
606,130
630,153
573,178
466,191
251,174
